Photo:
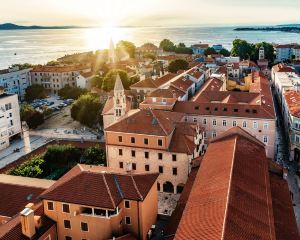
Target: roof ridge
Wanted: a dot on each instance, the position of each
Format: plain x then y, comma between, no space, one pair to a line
136,188
151,110
108,190
229,188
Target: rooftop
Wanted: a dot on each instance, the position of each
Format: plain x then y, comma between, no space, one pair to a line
160,123
211,101
105,189
222,204
292,99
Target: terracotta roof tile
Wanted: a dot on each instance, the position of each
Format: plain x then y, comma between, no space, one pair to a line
222,204
99,189
15,197
158,122
292,99
146,83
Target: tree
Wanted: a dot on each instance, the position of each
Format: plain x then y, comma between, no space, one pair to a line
167,45
68,92
58,156
35,92
269,51
126,46
184,50
178,64
242,49
225,52
181,45
150,56
110,78
32,168
94,155
32,117
97,81
53,63
86,109
209,51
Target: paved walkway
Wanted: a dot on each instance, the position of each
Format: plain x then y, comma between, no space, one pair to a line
8,155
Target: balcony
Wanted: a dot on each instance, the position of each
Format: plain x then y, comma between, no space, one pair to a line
98,212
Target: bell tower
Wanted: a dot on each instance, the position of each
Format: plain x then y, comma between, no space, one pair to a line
112,52
119,99
261,53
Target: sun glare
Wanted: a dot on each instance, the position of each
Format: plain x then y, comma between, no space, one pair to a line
99,38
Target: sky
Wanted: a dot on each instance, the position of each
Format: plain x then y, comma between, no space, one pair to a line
149,12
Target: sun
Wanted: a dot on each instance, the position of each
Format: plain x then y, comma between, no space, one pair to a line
99,38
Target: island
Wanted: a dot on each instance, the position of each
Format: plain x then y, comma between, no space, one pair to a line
11,26
280,29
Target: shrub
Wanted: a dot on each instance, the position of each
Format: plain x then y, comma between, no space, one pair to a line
32,168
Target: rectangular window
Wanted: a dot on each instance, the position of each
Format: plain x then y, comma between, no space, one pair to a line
244,124
297,125
132,140
160,156
204,121
174,157
68,238
127,220
84,227
297,138
195,120
214,122
234,123
175,171
132,153
266,126
254,125
120,139
147,155
160,169
214,134
265,139
146,141
121,164
147,168
120,152
133,166
50,206
67,224
66,208
159,142
127,204
224,123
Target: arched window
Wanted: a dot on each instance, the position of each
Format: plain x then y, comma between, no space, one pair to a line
168,187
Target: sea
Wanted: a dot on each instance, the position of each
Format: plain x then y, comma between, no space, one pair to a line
41,46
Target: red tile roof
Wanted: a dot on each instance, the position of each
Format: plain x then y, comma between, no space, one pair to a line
211,101
292,99
146,83
284,217
200,45
222,204
167,93
15,197
100,189
282,68
12,230
164,79
182,83
160,123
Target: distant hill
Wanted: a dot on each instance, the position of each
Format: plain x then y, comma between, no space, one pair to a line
291,29
11,26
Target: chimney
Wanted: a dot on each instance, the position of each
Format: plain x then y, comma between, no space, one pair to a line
28,221
1,90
